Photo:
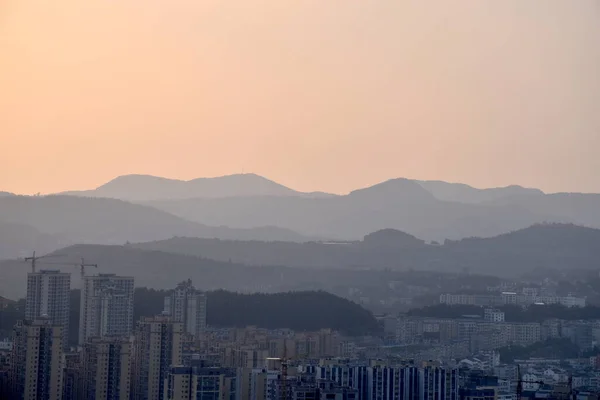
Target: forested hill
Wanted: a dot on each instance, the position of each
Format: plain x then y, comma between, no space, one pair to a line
556,246
300,311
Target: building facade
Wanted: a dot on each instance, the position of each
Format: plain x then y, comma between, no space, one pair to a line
187,305
37,361
186,383
106,307
158,346
48,296
106,365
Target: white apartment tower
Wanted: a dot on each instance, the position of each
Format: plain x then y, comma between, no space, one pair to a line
106,307
158,346
187,305
37,361
48,297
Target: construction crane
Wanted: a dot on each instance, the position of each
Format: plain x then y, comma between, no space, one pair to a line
284,371
83,265
520,383
34,259
569,394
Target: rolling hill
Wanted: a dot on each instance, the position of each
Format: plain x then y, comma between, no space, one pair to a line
163,270
399,204
461,193
559,246
18,240
54,221
146,188
432,210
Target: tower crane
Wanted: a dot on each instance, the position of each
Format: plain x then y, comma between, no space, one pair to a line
520,383
284,372
83,265
34,259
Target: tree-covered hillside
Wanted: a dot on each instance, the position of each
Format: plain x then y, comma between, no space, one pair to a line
300,311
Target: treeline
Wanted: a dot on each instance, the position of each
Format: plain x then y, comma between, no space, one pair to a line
300,311
512,313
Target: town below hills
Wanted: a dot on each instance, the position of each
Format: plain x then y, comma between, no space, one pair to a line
301,311
247,233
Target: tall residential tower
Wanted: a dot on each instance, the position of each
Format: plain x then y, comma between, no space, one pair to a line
48,297
106,308
187,305
36,361
158,346
106,369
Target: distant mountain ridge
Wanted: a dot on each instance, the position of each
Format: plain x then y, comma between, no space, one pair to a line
253,266
148,187
558,246
45,223
432,210
462,193
400,204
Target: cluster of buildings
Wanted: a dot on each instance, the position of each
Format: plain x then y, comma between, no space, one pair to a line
527,297
114,359
459,337
175,356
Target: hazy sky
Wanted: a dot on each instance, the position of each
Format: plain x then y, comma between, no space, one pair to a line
316,94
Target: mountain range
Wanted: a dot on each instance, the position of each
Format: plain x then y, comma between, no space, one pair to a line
139,208
139,188
45,223
401,204
381,257
555,246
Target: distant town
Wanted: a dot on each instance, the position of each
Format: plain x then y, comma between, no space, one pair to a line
510,341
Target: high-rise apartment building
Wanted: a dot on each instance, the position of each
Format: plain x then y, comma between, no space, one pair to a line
106,369
72,377
187,304
202,383
382,382
37,361
158,347
106,307
48,297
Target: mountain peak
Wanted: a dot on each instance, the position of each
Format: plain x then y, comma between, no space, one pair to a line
394,189
462,193
139,187
392,237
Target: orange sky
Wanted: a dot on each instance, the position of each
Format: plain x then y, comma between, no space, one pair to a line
316,94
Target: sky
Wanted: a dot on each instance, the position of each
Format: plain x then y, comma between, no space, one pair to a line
326,95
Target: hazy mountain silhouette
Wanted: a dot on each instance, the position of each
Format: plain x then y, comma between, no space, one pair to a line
18,240
432,210
106,221
5,194
251,266
399,203
147,187
561,246
459,192
393,238
162,270
578,208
